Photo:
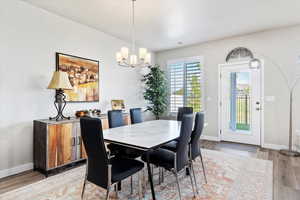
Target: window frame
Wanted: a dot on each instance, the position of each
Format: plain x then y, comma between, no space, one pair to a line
199,59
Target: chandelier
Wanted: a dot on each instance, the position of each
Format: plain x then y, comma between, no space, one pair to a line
126,58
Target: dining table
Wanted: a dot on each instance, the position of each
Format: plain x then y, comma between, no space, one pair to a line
146,136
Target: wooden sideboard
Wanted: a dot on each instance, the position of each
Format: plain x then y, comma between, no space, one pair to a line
59,143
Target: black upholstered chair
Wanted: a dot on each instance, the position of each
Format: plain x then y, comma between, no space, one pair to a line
195,150
103,170
178,160
182,111
136,115
115,119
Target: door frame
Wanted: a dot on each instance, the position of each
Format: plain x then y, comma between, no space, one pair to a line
262,91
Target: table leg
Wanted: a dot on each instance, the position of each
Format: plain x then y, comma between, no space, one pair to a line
150,177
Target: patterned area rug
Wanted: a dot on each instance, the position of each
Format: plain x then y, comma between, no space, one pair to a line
229,177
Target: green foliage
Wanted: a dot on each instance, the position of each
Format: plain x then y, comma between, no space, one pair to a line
194,98
156,91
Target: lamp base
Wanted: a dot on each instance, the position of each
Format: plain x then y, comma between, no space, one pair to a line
289,153
60,104
59,117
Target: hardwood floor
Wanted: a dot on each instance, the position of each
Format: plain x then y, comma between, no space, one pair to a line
286,170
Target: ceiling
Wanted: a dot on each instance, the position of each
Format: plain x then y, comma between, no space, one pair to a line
163,24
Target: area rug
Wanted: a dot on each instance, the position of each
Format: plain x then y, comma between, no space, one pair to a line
230,177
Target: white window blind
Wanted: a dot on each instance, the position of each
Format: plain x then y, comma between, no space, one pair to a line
185,79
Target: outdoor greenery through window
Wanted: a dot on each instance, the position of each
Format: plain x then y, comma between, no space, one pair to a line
185,78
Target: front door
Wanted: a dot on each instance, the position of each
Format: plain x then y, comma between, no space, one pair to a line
240,103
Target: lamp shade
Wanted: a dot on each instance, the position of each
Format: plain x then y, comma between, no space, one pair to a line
60,80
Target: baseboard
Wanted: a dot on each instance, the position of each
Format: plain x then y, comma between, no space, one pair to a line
274,146
15,170
211,138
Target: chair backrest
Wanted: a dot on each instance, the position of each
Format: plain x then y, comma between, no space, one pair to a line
92,136
182,111
115,118
136,115
182,158
197,132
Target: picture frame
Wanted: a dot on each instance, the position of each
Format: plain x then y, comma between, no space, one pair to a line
83,75
117,104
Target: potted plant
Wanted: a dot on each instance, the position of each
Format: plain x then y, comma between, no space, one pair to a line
156,91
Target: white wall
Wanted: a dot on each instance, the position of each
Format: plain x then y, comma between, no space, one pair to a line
29,38
280,46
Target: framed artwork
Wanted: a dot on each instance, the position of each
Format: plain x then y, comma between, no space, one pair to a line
117,104
83,75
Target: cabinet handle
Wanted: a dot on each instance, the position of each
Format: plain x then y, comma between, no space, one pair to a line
79,140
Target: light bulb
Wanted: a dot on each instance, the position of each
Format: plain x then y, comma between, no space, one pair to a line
119,57
125,52
133,59
148,58
142,53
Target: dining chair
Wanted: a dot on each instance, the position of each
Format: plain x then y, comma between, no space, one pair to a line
178,160
102,169
182,111
136,115
195,150
115,119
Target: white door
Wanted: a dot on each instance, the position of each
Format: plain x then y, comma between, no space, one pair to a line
240,103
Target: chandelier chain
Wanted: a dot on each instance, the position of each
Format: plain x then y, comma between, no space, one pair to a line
133,26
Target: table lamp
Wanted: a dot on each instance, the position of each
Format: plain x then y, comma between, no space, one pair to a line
60,82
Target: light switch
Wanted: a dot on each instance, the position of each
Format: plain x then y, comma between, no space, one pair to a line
269,98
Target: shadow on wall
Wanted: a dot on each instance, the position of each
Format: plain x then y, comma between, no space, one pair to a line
16,145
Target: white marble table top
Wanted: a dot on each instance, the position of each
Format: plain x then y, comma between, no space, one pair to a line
145,135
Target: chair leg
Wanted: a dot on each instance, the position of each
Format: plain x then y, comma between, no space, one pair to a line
83,188
192,169
159,175
162,175
131,185
203,167
192,182
107,193
144,183
117,190
178,186
140,184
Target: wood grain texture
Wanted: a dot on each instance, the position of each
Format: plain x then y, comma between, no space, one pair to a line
52,146
127,120
105,124
65,140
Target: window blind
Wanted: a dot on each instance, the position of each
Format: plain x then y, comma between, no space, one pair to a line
176,86
185,80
